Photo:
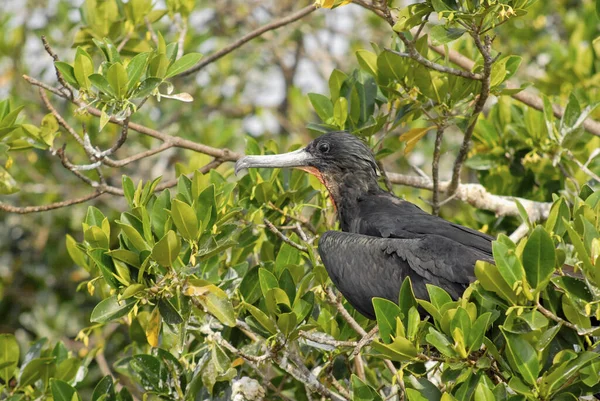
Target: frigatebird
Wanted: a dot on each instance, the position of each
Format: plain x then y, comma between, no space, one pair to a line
384,239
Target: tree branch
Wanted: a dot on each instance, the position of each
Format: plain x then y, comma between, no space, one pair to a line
51,206
435,164
248,37
476,195
283,237
485,48
531,100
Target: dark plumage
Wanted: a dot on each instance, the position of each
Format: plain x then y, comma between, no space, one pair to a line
384,238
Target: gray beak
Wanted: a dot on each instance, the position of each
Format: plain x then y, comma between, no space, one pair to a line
297,158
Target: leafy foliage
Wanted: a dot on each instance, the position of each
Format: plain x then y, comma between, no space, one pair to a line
209,286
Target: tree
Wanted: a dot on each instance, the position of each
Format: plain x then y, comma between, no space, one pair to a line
206,286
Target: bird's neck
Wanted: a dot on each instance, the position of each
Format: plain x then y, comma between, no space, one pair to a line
347,190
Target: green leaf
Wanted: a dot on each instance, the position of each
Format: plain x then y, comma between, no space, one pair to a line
322,106
83,68
411,16
478,329
361,391
336,80
77,255
135,69
525,357
102,84
406,299
105,388
215,301
491,280
185,219
368,61
63,391
262,318
539,258
340,112
166,250
68,72
168,312
441,35
134,236
110,309
9,356
508,263
440,342
401,349
250,286
483,393
117,78
570,116
96,237
287,323
438,296
146,88
385,313
8,185
560,374
186,62
267,280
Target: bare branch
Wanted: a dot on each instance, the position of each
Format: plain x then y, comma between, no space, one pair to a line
476,195
283,237
248,37
485,49
51,206
344,313
435,164
63,123
59,76
519,233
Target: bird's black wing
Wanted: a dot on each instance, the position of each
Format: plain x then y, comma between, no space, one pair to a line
363,267
389,217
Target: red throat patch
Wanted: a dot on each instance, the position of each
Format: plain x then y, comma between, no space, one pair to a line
317,173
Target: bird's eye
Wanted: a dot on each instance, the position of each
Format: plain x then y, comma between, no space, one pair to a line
324,147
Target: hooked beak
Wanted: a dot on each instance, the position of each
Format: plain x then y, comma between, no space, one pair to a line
297,158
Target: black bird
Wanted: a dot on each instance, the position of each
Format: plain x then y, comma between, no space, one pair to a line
384,239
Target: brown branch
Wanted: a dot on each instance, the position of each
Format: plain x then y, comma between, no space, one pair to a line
59,75
283,237
435,165
142,155
485,48
248,37
223,154
344,313
59,118
51,206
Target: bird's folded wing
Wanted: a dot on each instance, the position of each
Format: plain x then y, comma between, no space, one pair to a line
363,267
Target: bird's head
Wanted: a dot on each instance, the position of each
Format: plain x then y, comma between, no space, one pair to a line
335,158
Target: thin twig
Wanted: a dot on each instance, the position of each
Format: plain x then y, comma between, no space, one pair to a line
59,75
322,338
283,237
344,313
485,48
414,54
59,118
51,206
248,37
435,176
